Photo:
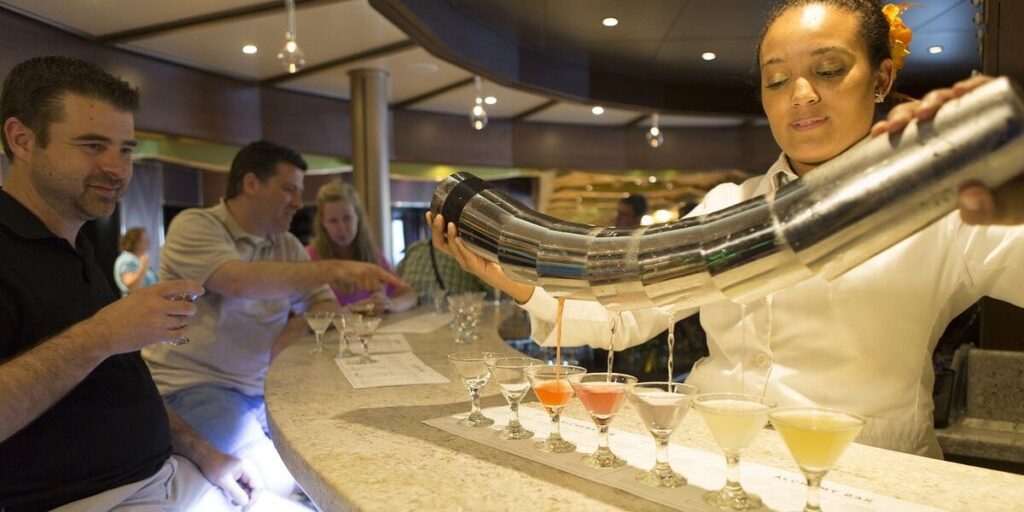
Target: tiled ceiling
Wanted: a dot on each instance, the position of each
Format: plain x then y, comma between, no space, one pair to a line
654,37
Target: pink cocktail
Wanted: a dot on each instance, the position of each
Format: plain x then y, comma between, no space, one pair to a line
602,394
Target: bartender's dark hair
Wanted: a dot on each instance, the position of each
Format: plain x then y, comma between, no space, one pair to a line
874,27
260,158
33,90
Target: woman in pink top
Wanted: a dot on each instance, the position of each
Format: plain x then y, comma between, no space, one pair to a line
341,232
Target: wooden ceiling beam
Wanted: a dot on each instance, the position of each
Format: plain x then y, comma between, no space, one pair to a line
431,94
372,53
202,19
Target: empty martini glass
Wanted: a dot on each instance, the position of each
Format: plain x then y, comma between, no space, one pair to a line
319,322
816,437
734,420
551,385
662,406
510,374
472,369
364,328
344,323
602,394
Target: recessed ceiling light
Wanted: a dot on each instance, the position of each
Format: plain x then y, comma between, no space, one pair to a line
597,110
708,56
249,49
610,22
490,100
934,49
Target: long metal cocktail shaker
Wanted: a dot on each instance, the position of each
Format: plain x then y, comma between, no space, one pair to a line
877,193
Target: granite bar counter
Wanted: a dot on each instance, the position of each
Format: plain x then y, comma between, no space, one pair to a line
368,449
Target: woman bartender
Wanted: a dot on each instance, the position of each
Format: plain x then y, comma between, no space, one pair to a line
862,342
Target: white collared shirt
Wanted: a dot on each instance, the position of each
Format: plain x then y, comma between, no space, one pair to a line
861,343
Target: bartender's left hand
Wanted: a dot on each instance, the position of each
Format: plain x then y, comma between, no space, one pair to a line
979,205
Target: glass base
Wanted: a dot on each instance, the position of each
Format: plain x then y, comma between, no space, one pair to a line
555,445
316,350
725,500
661,477
476,420
365,360
603,459
513,433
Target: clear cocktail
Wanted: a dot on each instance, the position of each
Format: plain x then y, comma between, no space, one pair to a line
319,322
734,421
472,369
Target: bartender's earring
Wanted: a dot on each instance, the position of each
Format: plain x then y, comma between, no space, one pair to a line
879,97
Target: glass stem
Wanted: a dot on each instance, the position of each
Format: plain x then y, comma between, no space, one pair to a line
513,414
813,494
319,341
556,425
602,438
661,445
732,474
474,397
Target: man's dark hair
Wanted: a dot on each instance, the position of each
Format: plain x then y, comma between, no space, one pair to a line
34,89
637,202
261,159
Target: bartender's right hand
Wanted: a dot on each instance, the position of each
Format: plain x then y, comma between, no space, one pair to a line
446,240
146,316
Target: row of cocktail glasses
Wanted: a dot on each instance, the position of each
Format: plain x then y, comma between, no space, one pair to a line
816,437
350,326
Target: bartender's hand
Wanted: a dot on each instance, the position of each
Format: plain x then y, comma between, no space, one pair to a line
448,242
978,203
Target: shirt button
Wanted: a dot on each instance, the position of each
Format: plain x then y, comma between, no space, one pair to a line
763,359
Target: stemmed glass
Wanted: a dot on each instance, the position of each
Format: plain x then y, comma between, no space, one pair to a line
365,327
319,321
344,323
510,374
437,299
816,437
734,420
602,394
551,385
472,369
662,406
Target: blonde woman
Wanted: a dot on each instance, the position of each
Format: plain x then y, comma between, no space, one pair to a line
131,269
341,232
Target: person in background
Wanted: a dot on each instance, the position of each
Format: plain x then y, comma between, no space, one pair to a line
259,281
341,232
428,270
82,426
131,269
861,342
630,211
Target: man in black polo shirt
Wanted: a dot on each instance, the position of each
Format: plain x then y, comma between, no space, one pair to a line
81,422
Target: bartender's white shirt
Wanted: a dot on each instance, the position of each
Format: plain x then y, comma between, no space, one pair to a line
861,343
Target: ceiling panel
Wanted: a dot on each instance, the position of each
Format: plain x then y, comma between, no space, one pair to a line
510,101
325,32
409,75
713,19
674,121
100,17
681,60
574,113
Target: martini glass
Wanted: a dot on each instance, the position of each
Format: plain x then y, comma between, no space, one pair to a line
364,328
734,420
602,394
551,385
662,406
319,321
816,437
472,369
510,374
344,323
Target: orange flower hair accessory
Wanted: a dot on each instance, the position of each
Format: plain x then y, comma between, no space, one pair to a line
899,34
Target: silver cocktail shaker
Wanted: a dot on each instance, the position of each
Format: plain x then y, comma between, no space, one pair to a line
860,203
